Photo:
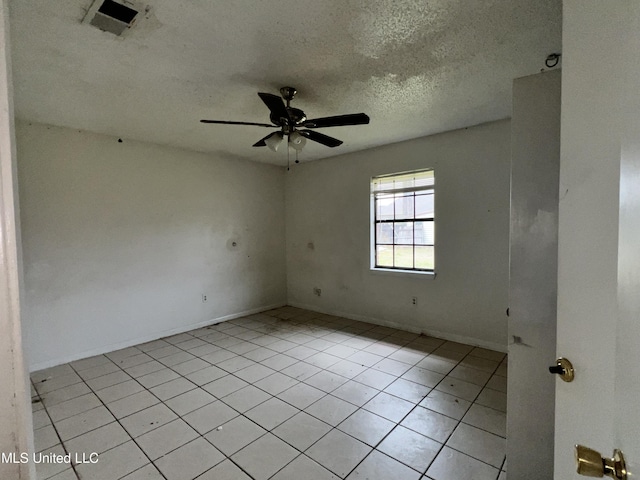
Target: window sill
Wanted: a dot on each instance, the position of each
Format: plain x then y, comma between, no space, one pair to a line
402,273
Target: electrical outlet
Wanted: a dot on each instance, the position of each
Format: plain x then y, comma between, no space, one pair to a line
414,300
204,298
317,291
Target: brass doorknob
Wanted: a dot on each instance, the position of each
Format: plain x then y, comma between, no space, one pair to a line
591,464
564,369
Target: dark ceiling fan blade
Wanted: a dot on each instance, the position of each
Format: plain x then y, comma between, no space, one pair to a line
262,142
276,106
320,138
338,121
226,122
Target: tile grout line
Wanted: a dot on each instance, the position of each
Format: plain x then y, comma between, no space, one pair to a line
122,426
398,343
64,447
326,393
443,444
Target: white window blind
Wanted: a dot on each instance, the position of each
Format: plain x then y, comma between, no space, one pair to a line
405,182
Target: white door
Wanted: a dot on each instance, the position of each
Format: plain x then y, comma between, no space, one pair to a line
16,427
599,233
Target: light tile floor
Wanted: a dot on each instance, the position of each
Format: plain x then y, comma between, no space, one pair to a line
283,395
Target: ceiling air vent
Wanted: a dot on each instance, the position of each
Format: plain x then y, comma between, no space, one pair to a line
111,16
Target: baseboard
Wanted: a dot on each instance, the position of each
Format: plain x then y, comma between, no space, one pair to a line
148,338
408,328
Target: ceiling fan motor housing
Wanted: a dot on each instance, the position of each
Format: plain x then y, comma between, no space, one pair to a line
296,115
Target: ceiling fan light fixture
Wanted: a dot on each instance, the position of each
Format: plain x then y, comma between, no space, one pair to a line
297,141
274,141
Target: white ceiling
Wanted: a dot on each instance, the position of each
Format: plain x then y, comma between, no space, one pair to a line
415,67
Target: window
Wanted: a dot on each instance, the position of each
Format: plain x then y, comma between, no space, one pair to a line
403,221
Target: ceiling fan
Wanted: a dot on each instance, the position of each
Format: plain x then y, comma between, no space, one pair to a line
294,124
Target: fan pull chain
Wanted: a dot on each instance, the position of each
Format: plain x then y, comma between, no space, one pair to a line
288,154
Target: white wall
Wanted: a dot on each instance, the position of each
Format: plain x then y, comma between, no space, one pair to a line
121,240
328,204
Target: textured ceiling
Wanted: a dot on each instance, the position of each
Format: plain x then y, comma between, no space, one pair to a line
415,67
